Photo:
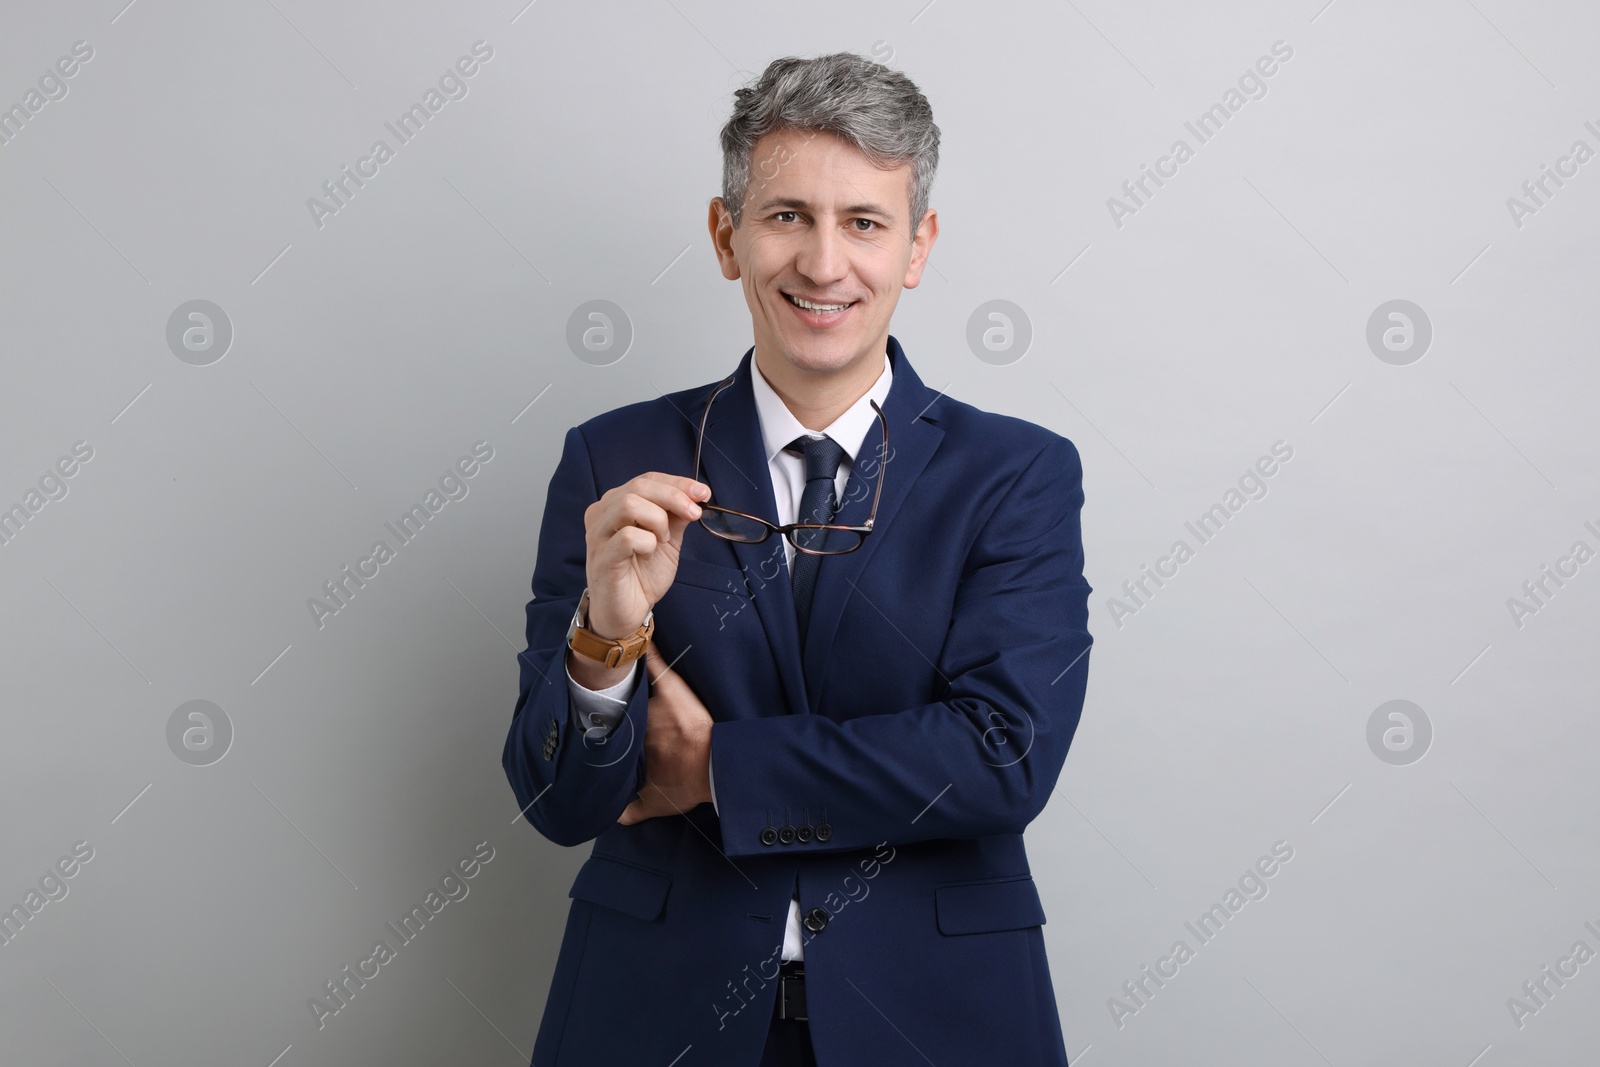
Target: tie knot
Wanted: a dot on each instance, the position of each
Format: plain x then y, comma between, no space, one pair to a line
822,454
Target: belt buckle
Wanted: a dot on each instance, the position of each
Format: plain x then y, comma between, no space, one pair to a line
792,996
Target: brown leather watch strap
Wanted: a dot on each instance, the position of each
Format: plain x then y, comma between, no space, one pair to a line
616,652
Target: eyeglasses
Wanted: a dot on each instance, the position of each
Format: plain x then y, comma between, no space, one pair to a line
814,538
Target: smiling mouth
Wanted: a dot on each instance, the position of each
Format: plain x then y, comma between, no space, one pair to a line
820,309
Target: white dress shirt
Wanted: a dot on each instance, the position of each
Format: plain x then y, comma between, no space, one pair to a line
598,711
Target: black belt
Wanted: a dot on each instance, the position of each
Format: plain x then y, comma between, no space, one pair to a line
791,1002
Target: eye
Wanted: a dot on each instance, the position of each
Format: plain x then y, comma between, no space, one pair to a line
869,227
779,216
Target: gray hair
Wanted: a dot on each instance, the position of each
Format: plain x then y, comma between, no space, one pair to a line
878,110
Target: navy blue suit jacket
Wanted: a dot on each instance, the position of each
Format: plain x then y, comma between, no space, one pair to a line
898,761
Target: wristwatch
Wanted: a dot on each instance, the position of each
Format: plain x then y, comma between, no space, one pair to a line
613,652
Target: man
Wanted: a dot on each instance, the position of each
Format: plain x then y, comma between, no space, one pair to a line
806,774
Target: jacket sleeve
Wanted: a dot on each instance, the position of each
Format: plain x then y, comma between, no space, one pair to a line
984,759
571,784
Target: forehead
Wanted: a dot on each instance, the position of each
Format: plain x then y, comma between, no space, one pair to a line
825,170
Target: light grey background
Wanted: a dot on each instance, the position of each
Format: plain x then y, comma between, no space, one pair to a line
430,312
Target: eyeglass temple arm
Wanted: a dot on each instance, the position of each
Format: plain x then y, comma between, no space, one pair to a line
877,493
705,415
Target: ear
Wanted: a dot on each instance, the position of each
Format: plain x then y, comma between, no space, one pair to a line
921,247
720,222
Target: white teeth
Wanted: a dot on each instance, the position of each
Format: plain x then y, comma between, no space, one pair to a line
824,308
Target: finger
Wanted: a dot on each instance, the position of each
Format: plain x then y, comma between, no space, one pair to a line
634,509
676,495
688,486
632,813
622,547
664,511
678,499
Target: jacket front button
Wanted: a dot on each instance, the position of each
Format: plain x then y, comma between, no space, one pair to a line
815,920
769,836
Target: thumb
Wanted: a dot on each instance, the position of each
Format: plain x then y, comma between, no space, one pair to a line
630,814
655,666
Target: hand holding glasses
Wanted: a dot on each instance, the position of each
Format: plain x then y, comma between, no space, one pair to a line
815,538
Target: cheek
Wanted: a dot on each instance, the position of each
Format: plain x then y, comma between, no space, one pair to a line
756,295
766,256
885,270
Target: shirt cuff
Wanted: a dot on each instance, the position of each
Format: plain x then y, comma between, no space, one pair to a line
598,711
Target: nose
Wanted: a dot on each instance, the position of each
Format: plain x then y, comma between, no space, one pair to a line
822,257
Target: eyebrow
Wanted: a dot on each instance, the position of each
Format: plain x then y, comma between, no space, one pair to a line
796,204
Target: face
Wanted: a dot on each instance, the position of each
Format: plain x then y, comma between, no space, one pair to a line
823,226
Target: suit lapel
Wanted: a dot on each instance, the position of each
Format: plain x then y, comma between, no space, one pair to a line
735,466
912,411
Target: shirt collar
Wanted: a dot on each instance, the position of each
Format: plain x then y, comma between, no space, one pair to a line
849,430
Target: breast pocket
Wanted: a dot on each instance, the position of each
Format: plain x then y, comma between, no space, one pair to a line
713,576
705,598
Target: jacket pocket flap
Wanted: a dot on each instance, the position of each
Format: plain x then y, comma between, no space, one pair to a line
629,889
986,906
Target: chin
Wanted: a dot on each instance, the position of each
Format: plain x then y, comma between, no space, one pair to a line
829,355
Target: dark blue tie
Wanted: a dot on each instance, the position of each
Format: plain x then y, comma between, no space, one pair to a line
818,502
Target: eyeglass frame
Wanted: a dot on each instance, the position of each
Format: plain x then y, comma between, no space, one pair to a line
786,530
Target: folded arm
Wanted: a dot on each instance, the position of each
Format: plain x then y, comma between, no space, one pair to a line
983,759
571,779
